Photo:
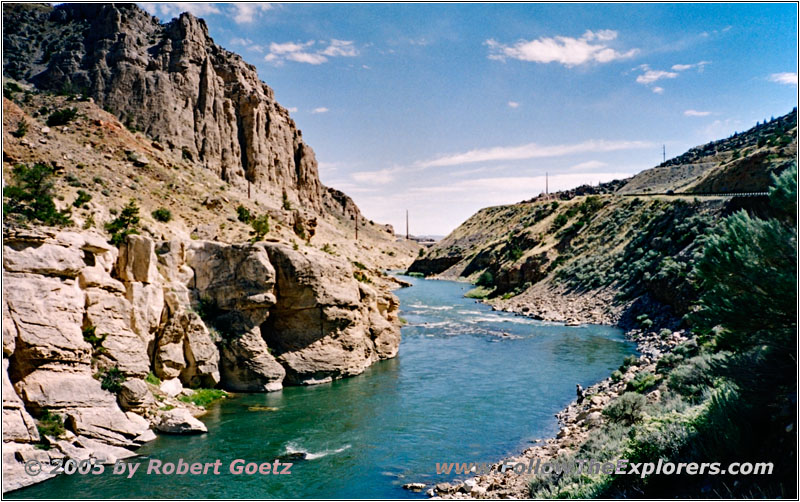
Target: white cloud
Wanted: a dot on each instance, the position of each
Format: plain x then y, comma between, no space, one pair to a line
531,151
340,48
568,51
288,47
321,109
292,109
513,104
700,65
658,90
305,52
650,76
306,57
245,13
241,41
695,113
168,10
518,187
784,78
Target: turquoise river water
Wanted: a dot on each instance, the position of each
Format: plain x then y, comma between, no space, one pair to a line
469,385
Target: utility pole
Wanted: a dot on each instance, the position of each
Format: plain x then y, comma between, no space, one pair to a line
663,154
356,225
248,189
546,184
406,224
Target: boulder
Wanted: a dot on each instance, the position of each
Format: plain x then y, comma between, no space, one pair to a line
135,396
180,421
248,366
171,387
109,425
58,390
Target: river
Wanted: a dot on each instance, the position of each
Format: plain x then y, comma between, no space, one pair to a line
469,385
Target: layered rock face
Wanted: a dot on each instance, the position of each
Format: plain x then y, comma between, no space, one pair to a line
202,314
170,81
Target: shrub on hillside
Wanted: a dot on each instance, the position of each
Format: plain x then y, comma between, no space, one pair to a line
31,196
627,409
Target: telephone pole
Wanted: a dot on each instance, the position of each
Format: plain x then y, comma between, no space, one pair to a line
546,184
356,225
663,154
406,224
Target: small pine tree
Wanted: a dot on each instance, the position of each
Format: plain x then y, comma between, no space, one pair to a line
125,224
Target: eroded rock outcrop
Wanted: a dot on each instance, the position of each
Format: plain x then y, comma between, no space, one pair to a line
172,82
80,315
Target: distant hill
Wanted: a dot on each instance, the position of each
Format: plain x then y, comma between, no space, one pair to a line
743,162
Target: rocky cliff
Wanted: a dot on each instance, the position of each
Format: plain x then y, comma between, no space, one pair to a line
251,317
170,81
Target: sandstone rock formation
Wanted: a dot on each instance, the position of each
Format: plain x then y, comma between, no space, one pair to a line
251,317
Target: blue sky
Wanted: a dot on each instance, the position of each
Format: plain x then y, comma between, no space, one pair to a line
443,109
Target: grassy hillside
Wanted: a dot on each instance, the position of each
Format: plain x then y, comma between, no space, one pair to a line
633,251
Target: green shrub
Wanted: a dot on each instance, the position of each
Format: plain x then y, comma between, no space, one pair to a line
485,280
667,362
31,196
83,198
359,265
560,220
50,424
62,117
628,362
328,249
22,129
125,224
111,379
204,397
642,382
260,226
418,275
627,409
162,214
286,204
421,253
243,214
616,376
92,338
692,377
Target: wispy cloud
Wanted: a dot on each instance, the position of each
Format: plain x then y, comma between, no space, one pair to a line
591,47
700,65
695,113
531,151
513,104
292,109
311,52
246,13
784,78
321,109
340,48
650,76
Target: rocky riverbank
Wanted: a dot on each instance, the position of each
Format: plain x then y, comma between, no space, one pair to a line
576,421
87,325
